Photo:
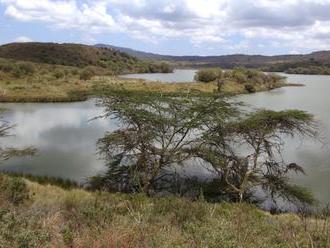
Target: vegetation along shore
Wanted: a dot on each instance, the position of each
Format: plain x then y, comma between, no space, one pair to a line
47,72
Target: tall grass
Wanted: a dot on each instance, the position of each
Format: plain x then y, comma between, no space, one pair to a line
55,217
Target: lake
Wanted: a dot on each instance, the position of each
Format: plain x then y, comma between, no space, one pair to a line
63,134
178,76
66,138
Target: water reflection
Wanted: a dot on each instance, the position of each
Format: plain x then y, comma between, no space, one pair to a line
312,155
64,135
178,76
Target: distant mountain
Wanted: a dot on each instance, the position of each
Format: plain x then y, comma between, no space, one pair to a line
135,53
121,60
276,63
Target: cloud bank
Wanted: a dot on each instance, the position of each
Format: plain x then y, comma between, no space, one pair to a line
233,24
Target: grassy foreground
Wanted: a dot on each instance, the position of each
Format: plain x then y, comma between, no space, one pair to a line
34,215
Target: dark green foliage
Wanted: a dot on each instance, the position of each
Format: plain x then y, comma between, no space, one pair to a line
26,67
162,68
87,74
59,74
159,132
288,122
250,88
312,67
260,134
45,180
251,76
13,190
310,70
248,77
284,189
23,69
6,67
207,75
21,230
67,236
76,55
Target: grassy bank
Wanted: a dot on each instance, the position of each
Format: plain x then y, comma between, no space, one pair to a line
140,85
34,215
73,89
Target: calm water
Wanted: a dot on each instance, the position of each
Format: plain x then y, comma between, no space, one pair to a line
66,138
64,135
178,76
313,156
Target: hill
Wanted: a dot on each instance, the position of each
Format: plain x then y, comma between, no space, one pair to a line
313,63
77,55
135,53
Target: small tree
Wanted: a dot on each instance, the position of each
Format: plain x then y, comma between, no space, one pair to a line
157,133
14,190
9,152
87,74
247,153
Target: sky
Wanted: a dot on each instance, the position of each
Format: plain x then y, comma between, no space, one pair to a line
174,27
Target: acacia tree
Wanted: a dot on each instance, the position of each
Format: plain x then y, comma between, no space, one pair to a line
157,133
9,152
247,153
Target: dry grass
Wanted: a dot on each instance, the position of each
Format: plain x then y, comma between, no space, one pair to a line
230,87
54,217
46,88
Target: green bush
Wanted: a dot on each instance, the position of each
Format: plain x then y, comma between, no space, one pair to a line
27,68
207,75
240,75
58,74
67,236
250,88
6,67
13,190
23,69
87,74
21,230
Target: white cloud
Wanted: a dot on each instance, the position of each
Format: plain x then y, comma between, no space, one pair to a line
62,14
23,39
233,24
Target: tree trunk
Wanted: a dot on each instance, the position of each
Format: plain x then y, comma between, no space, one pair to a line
240,197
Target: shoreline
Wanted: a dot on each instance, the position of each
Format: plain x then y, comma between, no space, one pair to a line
82,91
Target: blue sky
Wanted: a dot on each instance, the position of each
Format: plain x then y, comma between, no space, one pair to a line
177,27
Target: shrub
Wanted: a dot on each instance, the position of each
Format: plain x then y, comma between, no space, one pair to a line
13,190
87,74
58,74
6,67
67,236
23,69
207,75
165,68
27,68
240,75
75,72
21,230
250,88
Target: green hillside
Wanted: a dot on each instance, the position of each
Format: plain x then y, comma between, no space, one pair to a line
77,55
